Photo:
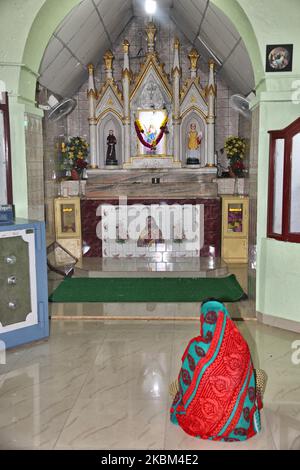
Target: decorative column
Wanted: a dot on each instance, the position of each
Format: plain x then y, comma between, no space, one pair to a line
176,73
92,97
151,33
194,57
108,65
126,99
211,93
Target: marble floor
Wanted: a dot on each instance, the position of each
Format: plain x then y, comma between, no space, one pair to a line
201,267
104,385
161,264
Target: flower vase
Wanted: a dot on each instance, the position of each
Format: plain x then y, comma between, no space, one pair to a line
74,175
231,173
236,186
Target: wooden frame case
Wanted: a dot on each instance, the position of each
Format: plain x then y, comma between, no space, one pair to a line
4,109
287,135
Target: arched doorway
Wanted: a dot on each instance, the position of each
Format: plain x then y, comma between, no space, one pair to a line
42,29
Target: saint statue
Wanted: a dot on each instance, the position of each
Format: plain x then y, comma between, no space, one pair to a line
150,134
151,234
111,149
194,141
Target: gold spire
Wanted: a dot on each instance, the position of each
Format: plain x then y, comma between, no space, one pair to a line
108,60
91,69
176,43
194,57
126,46
212,64
151,32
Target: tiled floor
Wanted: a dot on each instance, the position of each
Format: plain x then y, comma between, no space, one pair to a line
104,385
202,267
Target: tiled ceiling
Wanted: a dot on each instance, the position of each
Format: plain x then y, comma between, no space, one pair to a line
94,25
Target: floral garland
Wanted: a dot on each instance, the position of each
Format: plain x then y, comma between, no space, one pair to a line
140,131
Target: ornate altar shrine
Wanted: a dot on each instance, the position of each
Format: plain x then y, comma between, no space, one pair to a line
154,122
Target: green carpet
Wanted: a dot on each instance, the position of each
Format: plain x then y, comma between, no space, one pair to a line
226,289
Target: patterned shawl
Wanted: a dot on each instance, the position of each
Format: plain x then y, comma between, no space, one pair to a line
217,393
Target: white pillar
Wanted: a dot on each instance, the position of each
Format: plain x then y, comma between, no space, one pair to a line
176,72
126,99
92,97
211,92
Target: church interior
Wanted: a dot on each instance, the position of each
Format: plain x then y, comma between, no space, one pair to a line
149,161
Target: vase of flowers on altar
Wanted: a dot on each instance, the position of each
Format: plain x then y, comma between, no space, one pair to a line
75,157
236,148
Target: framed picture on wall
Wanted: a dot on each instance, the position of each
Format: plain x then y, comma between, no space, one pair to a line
279,58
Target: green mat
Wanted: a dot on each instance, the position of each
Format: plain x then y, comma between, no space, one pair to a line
226,289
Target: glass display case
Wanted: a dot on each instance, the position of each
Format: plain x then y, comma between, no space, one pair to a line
68,224
235,222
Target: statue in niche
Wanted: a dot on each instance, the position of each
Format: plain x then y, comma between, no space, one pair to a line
151,134
111,149
151,234
194,142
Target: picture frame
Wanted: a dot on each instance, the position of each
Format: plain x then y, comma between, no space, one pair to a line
279,58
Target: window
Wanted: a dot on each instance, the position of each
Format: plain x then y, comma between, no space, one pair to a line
5,162
284,184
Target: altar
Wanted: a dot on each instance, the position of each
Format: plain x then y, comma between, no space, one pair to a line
150,191
154,121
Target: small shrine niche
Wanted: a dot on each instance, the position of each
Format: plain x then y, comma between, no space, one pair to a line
155,121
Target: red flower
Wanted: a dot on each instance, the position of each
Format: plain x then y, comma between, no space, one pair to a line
81,163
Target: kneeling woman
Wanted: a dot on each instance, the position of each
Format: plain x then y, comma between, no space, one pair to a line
217,397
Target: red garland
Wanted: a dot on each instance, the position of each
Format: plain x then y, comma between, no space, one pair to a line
142,140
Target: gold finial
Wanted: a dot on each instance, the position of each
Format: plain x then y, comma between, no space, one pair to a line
212,64
176,43
126,46
194,57
151,32
91,68
108,60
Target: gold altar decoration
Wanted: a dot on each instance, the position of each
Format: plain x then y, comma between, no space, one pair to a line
108,60
176,43
110,84
194,57
211,89
151,33
91,92
187,85
126,46
152,61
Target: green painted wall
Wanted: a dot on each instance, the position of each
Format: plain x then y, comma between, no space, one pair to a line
25,29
